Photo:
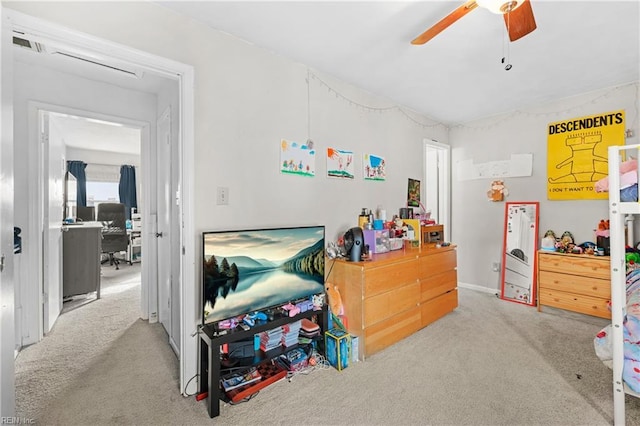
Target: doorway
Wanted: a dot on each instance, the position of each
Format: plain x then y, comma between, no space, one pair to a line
182,115
438,183
100,148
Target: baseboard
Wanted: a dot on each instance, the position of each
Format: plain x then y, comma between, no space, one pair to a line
480,288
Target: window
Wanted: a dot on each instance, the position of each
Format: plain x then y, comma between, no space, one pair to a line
102,184
101,192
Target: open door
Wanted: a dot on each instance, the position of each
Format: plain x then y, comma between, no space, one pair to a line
164,235
7,339
53,197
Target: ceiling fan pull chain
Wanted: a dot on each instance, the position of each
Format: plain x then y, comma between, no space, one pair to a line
508,66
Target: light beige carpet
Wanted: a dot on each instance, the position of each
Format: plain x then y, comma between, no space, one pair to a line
490,362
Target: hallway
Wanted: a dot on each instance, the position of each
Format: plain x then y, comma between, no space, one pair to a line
86,328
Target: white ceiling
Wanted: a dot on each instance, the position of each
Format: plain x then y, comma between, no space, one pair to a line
90,133
579,46
99,135
457,77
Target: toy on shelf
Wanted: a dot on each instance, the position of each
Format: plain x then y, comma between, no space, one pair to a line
566,244
549,241
291,309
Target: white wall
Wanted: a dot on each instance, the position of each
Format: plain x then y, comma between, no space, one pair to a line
477,224
37,84
247,99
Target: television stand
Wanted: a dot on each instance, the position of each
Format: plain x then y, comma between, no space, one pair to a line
210,342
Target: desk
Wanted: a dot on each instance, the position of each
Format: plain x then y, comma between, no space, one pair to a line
81,248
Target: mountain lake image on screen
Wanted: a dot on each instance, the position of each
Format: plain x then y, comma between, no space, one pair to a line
252,270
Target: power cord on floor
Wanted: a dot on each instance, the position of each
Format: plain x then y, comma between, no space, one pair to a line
315,362
187,386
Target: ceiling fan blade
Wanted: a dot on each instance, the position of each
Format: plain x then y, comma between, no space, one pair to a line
520,22
445,22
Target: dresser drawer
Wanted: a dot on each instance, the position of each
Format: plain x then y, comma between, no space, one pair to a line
575,302
594,287
437,285
590,266
438,307
391,330
388,277
386,305
433,264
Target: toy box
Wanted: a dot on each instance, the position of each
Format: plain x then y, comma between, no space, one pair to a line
338,348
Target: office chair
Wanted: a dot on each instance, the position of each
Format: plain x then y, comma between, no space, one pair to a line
86,214
114,230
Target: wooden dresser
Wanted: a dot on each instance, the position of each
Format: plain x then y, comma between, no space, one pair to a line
395,294
575,282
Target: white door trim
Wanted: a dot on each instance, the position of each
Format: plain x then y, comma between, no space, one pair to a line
7,313
36,199
184,73
444,186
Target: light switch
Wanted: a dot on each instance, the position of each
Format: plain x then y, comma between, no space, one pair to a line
223,195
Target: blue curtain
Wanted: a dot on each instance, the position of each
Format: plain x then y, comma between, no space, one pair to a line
76,168
127,188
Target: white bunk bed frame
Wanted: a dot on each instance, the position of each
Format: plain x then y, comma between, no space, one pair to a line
618,214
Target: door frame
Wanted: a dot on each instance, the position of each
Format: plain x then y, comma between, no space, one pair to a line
442,188
184,74
37,288
7,308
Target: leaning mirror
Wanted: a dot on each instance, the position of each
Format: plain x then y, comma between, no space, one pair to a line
519,252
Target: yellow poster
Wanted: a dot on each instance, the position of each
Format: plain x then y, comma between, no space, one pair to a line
577,154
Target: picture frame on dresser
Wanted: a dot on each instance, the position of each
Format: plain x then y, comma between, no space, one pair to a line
520,244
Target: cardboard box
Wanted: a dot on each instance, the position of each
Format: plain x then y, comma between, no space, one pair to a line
338,348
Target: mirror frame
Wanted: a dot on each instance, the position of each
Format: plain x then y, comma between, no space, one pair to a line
523,263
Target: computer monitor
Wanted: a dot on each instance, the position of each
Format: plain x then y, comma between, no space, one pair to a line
86,213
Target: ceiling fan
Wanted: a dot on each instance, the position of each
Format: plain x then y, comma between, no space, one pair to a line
518,17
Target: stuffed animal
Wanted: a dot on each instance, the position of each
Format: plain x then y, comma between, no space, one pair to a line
549,241
567,238
497,191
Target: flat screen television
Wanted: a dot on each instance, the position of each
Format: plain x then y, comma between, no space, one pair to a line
253,270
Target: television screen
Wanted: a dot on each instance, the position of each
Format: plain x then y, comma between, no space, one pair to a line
252,270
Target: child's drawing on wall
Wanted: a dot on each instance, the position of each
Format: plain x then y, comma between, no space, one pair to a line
374,167
297,159
340,163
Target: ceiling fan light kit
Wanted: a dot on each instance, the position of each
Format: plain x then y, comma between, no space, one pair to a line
518,17
500,7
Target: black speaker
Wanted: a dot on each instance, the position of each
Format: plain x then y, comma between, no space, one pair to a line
354,244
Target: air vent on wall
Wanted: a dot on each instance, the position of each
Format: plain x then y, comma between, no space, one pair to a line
26,41
135,74
28,44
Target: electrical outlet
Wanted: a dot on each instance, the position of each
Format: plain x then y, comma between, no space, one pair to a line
495,266
223,196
